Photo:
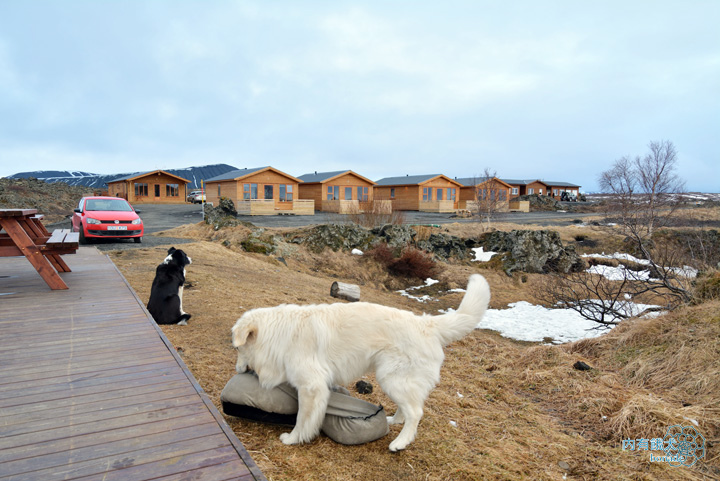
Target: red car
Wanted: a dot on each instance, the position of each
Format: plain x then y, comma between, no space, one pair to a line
107,218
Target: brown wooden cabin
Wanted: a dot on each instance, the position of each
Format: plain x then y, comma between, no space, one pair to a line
556,189
342,192
526,187
477,192
156,187
259,191
425,193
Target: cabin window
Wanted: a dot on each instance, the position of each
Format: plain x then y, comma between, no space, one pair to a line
362,194
141,190
451,193
286,193
333,192
172,190
439,194
427,194
531,190
392,192
348,193
514,191
269,192
555,192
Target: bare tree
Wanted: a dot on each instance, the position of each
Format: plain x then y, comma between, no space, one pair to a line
645,192
490,196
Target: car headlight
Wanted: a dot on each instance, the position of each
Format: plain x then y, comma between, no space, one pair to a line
90,220
137,221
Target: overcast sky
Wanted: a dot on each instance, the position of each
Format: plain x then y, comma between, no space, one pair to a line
528,89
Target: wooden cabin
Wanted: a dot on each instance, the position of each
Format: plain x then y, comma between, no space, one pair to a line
259,191
526,187
156,187
342,192
483,194
556,189
425,193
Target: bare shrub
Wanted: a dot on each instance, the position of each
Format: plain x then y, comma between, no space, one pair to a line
413,264
374,214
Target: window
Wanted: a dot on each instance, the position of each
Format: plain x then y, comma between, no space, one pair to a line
141,190
392,192
286,193
269,194
531,190
219,195
172,190
246,192
540,191
362,194
555,192
157,190
514,191
427,194
439,194
333,192
451,193
503,194
348,193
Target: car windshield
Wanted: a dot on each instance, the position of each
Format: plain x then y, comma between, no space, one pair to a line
115,205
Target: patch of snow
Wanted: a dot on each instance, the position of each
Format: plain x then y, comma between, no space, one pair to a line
356,252
527,322
619,256
481,256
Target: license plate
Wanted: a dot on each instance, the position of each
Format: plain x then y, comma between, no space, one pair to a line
117,227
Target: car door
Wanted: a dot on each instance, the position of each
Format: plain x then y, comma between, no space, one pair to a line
76,219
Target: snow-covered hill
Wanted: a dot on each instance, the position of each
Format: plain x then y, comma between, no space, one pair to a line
99,181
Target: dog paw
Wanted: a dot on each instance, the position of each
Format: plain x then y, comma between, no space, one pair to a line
288,438
396,446
182,323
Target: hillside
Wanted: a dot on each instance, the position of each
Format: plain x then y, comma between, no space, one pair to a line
99,181
55,201
503,409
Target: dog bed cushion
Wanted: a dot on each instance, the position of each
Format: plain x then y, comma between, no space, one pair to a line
348,420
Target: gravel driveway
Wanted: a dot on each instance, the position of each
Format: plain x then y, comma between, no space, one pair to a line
158,217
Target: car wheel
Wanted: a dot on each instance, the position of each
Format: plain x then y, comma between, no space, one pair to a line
138,240
83,239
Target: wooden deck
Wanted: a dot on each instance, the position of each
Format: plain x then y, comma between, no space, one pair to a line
90,388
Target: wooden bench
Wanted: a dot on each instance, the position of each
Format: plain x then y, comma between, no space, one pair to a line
25,235
63,239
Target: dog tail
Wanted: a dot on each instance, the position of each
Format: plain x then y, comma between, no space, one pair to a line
456,325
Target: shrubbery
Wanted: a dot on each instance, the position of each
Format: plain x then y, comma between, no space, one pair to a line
409,263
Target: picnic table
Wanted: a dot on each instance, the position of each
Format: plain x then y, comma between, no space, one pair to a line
25,235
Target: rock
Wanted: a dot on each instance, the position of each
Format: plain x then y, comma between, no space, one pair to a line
223,215
395,235
445,246
337,237
363,387
581,366
541,202
260,242
539,251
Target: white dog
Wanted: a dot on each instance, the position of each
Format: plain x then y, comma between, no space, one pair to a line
317,346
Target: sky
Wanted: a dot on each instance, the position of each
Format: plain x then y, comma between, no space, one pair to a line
552,90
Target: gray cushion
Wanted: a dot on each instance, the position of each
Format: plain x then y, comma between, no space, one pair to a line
348,420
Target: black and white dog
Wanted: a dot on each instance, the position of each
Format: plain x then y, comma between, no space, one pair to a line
165,302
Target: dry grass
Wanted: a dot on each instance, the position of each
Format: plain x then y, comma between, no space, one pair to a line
520,410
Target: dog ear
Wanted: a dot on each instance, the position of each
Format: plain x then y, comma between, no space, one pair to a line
243,333
171,250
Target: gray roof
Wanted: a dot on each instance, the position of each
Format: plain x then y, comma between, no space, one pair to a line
234,174
321,176
406,180
471,181
560,184
141,174
520,181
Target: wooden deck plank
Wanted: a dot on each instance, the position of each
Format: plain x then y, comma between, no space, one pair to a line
91,388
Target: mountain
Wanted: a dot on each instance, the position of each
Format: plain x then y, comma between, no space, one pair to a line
99,181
